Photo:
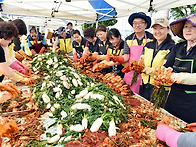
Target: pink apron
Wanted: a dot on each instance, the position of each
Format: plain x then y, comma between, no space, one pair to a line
135,53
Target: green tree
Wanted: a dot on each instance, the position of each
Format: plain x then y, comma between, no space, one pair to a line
183,11
105,22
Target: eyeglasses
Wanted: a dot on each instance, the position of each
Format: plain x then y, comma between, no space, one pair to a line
33,36
138,23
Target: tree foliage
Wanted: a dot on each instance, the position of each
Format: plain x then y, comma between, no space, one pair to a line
106,23
183,11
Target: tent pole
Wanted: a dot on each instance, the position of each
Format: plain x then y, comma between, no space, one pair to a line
97,23
97,20
168,14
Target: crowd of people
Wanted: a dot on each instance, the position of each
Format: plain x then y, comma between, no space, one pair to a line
157,49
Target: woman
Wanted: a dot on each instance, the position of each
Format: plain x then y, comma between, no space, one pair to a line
36,42
155,54
8,31
103,46
10,54
92,42
22,29
177,139
78,44
114,37
182,98
134,44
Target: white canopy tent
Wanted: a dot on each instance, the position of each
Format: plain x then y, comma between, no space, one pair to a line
56,12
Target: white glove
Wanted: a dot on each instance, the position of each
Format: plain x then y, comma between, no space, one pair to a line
184,78
149,71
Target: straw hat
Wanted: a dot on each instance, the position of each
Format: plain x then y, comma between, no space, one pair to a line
177,26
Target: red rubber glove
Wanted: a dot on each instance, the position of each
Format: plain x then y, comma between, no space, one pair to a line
42,50
75,57
126,69
118,59
168,135
27,70
83,58
33,51
95,62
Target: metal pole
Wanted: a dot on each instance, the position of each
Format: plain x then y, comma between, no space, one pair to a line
97,20
97,23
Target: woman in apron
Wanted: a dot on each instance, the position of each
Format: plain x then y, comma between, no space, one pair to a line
103,46
114,37
134,44
182,98
36,42
10,53
78,44
155,54
22,29
8,31
92,42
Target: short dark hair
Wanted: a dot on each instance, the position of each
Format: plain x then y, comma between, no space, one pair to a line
76,32
101,28
33,29
113,32
69,23
8,30
21,26
89,32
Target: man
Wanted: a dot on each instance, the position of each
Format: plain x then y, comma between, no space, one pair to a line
134,44
63,41
70,27
36,42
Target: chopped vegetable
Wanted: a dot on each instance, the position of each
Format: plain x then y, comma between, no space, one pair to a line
84,123
96,125
53,139
77,128
45,98
112,129
80,106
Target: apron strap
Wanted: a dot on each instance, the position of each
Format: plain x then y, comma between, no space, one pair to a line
117,48
146,38
134,37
